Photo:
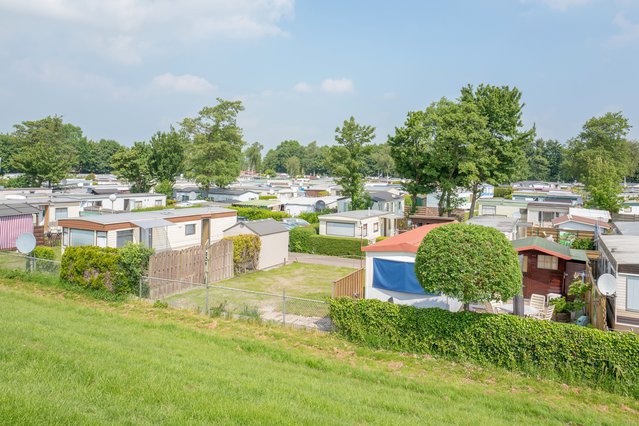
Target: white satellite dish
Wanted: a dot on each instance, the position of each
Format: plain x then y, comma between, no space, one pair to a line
607,284
25,243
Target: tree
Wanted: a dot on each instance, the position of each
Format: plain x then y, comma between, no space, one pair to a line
381,160
315,160
293,166
165,187
471,263
7,149
105,149
132,165
347,157
166,156
603,184
44,150
276,158
498,155
215,148
253,156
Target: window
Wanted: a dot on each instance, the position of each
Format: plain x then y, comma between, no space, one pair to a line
365,230
158,203
189,229
632,293
524,264
101,238
547,262
82,237
124,237
376,227
65,237
488,210
61,213
98,203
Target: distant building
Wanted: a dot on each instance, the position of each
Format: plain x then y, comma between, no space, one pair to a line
15,219
273,236
366,224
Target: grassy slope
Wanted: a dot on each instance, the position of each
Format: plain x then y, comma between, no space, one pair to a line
65,358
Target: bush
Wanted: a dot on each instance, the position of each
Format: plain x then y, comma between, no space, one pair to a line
468,262
503,192
310,217
583,244
133,263
91,267
165,187
299,239
380,238
255,213
304,239
246,252
48,255
268,197
554,350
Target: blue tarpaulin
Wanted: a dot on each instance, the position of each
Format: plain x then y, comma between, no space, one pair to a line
396,276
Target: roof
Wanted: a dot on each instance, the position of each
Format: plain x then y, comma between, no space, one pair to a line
601,215
407,242
258,203
262,227
225,191
623,248
502,202
579,219
549,247
17,209
109,219
383,196
355,214
627,228
501,223
310,201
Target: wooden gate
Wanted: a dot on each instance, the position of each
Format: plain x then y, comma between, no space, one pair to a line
351,285
221,261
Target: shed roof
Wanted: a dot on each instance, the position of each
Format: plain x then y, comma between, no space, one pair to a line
579,219
501,223
623,248
17,209
549,247
355,214
262,227
627,228
407,242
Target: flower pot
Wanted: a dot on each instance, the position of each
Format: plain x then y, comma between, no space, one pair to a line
563,316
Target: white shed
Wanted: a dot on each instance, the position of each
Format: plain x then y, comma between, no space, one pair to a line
274,238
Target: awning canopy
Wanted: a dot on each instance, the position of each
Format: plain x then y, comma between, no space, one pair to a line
394,216
152,223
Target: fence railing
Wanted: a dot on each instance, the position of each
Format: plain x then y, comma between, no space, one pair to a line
218,300
557,234
352,285
19,262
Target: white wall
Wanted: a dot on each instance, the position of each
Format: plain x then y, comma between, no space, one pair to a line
620,301
296,209
359,223
575,226
400,298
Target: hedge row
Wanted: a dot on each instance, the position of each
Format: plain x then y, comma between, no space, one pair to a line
255,213
560,351
305,240
105,268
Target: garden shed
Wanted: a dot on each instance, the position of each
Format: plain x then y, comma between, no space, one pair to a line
15,219
274,238
390,272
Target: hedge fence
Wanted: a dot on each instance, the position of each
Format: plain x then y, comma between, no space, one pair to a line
304,239
558,351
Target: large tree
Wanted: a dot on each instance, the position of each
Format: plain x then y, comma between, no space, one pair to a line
45,150
293,166
132,165
276,158
499,154
8,148
253,156
347,157
166,156
215,149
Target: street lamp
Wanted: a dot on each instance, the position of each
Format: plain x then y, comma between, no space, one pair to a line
112,198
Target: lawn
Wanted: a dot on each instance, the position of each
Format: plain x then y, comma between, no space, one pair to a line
68,359
297,279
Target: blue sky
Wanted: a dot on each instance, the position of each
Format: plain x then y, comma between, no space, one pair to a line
123,70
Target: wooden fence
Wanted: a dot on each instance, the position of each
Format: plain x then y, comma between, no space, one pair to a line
171,271
351,285
595,303
537,231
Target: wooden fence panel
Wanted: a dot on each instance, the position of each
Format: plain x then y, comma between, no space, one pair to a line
171,269
537,231
351,285
221,261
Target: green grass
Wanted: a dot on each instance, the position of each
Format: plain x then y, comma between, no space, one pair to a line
68,359
298,279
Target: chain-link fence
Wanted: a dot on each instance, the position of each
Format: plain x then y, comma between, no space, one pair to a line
13,261
219,300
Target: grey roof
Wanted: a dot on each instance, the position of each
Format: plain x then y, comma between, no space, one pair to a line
623,248
225,191
627,228
262,227
17,209
356,214
501,223
383,196
108,219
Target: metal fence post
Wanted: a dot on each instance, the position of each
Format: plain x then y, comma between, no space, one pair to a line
206,278
284,306
140,284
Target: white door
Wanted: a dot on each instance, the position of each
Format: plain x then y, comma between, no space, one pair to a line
340,229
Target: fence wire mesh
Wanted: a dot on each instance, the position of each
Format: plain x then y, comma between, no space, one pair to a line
218,300
13,261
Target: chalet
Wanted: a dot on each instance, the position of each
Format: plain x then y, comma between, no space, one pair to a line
366,224
15,219
571,222
273,237
231,195
509,226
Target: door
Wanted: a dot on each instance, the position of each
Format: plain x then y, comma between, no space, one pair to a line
340,229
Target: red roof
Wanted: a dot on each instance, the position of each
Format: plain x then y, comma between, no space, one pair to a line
579,219
406,242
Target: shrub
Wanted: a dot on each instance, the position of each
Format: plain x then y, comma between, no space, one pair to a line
246,252
310,217
255,213
554,350
165,187
268,197
48,255
91,267
380,238
468,262
133,263
583,244
304,239
299,239
90,176
503,192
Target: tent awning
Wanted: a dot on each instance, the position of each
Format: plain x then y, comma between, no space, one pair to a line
152,223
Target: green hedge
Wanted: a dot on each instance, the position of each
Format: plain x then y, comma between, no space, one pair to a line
246,252
46,253
255,213
305,240
564,351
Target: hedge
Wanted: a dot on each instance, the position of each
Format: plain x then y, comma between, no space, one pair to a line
246,252
47,254
554,350
255,213
304,239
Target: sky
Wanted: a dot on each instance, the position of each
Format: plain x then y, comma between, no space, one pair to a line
124,69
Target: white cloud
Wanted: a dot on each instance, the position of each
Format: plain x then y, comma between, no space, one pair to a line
628,31
303,87
185,83
123,30
560,5
341,85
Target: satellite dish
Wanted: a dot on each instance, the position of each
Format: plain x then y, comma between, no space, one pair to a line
25,243
607,284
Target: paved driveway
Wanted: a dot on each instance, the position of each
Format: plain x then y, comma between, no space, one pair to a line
326,260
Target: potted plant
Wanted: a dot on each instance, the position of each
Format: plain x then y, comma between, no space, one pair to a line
562,312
